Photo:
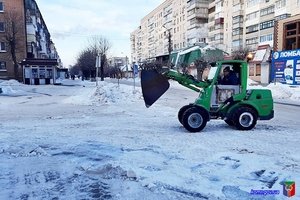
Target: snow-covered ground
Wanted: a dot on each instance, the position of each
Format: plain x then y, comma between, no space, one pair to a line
77,141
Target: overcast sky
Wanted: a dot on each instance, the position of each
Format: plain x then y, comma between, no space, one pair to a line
72,22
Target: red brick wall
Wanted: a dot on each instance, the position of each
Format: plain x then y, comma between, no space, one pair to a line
16,7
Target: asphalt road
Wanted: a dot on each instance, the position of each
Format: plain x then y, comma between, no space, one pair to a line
284,113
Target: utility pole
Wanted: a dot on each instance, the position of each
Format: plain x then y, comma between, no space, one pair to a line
102,59
126,67
98,64
169,42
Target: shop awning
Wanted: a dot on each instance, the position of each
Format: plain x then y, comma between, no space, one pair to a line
262,54
259,55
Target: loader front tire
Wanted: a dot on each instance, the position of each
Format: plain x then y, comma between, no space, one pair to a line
194,119
244,118
182,110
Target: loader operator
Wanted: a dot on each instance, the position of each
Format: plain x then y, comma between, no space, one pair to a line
229,77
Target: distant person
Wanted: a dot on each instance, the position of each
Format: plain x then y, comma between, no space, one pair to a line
229,77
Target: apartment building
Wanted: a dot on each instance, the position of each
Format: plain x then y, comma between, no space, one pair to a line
173,25
260,17
12,11
216,23
197,19
36,54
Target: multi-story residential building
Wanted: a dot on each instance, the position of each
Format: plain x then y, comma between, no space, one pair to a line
233,25
260,17
225,24
173,25
35,50
197,19
216,24
11,11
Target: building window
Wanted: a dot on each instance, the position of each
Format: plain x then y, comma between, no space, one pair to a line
266,38
251,29
280,4
283,16
237,43
2,47
251,71
237,31
267,24
251,41
292,36
2,29
267,11
237,19
251,3
1,7
252,16
2,66
258,70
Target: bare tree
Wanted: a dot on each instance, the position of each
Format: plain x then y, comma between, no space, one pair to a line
14,37
240,54
100,45
86,61
207,57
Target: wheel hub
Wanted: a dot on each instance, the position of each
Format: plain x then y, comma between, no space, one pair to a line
246,119
195,120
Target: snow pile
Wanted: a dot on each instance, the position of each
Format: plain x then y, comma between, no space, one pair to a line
6,88
105,93
280,91
11,82
69,82
8,91
251,82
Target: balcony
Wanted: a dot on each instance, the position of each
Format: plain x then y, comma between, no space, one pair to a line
30,29
237,37
197,14
194,4
219,21
237,25
237,13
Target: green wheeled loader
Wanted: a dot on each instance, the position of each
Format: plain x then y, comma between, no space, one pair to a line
237,106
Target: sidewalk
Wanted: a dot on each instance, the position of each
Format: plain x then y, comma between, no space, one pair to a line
287,102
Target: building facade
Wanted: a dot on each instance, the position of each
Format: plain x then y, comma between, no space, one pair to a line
287,34
228,25
173,25
32,39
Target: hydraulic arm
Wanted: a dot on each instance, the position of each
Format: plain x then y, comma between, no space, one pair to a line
185,80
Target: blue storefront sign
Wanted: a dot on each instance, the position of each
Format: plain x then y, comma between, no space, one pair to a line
286,67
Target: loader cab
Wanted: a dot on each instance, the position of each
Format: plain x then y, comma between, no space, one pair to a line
230,80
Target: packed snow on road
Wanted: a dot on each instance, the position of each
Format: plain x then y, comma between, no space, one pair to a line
79,141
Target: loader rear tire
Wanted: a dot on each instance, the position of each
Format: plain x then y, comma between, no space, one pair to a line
194,119
182,110
244,118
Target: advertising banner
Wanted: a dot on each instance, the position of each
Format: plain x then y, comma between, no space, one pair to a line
286,67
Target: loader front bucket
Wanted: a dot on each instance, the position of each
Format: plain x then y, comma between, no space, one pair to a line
154,85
